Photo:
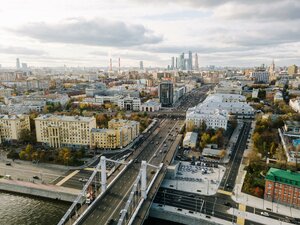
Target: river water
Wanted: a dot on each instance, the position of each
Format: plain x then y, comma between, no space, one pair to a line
26,210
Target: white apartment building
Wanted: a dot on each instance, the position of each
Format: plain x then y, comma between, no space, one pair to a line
216,108
260,76
12,125
127,102
295,104
57,131
214,119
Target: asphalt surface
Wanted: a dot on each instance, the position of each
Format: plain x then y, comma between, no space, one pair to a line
232,169
114,200
209,205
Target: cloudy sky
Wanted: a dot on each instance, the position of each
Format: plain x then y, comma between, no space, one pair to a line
89,32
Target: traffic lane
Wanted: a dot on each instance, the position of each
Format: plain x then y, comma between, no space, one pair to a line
273,215
233,170
208,208
220,205
249,222
121,189
109,202
221,198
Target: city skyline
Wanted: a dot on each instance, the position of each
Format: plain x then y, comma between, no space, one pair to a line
222,33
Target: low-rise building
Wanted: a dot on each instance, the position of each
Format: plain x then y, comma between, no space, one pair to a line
150,106
190,140
5,92
57,131
278,96
283,186
291,128
11,126
295,104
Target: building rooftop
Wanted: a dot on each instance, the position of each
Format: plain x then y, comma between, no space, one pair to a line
292,123
283,176
64,118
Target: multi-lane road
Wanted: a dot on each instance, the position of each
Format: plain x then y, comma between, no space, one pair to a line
232,167
110,205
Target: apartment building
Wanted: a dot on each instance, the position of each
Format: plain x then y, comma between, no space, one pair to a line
130,129
57,131
12,125
106,138
119,134
214,119
283,186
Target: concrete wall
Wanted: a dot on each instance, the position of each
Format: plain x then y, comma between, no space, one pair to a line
39,190
179,217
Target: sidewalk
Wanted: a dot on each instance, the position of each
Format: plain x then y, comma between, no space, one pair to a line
259,203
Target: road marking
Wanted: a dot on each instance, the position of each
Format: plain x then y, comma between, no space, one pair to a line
67,177
241,220
224,192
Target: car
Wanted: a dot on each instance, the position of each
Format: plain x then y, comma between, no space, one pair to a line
110,222
36,177
8,164
154,155
228,204
264,214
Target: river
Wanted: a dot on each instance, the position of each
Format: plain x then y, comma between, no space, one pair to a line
26,210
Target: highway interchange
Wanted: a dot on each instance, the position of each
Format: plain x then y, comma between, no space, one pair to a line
152,149
110,205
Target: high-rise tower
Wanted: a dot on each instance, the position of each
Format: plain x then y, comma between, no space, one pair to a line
18,64
196,62
110,64
190,61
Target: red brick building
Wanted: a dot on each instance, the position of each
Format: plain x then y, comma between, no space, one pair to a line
283,186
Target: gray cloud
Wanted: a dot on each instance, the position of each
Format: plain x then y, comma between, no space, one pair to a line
208,3
21,51
280,10
97,32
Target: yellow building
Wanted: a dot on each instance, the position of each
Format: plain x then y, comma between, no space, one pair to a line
12,125
130,129
57,131
293,69
106,138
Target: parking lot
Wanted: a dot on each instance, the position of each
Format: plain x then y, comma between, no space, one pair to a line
198,178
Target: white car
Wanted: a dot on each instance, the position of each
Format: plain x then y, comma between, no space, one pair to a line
264,214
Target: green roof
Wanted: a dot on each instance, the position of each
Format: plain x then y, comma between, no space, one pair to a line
284,176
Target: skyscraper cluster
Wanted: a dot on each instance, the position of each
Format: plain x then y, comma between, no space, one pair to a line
21,66
182,63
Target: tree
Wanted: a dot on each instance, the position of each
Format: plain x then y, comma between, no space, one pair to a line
205,139
22,155
222,154
26,136
64,155
203,126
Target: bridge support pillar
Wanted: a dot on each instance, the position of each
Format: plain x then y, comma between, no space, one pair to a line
144,179
103,173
